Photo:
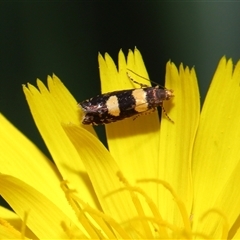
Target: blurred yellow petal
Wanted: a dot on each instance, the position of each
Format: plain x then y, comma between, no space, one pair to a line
8,232
236,233
44,217
10,223
8,214
22,159
11,226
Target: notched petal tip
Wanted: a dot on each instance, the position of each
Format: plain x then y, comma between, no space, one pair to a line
42,87
30,89
130,51
101,60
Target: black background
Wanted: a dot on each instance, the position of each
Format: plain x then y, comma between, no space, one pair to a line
64,37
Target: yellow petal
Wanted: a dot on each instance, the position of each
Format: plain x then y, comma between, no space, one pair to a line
44,217
216,152
132,142
50,109
228,201
236,234
8,232
12,225
102,171
176,140
22,159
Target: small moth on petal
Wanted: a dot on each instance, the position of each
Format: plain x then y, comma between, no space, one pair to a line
118,105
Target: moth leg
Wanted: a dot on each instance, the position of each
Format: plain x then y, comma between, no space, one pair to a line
145,113
165,113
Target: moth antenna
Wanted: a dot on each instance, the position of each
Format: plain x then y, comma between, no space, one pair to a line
141,84
142,78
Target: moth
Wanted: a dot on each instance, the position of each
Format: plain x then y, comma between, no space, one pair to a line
118,105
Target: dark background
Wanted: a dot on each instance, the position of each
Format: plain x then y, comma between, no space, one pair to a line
64,37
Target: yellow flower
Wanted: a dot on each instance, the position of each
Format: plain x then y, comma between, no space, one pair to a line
187,171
